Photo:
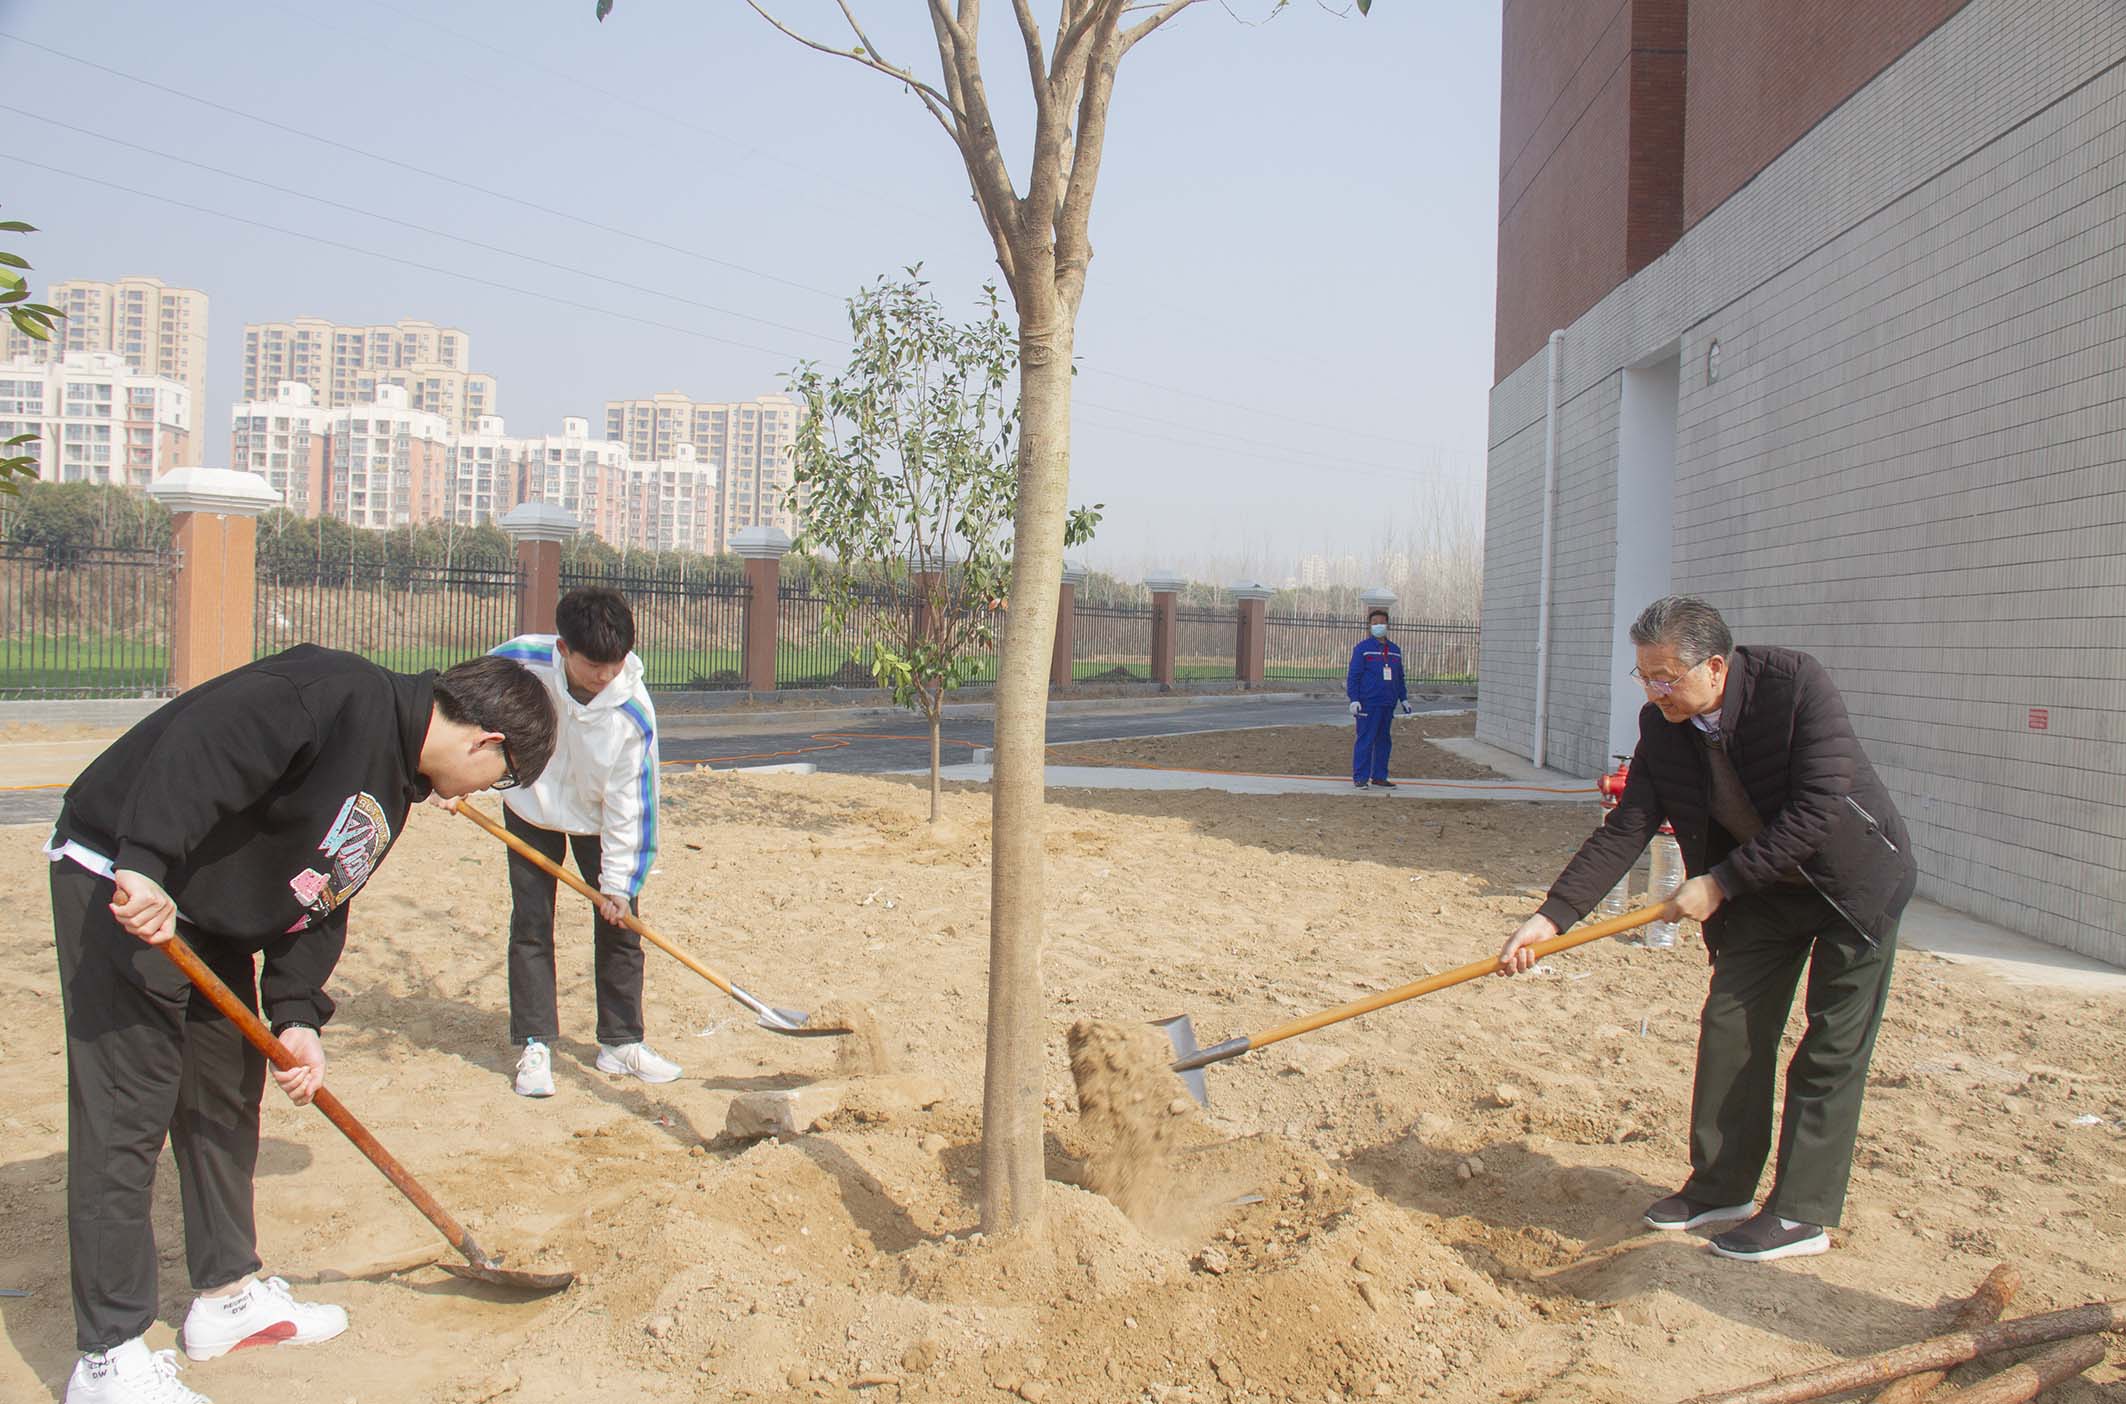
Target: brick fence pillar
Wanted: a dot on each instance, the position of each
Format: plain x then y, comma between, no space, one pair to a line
1251,632
1165,586
538,528
1063,663
214,517
763,548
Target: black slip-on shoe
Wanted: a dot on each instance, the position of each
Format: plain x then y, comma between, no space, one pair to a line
1767,1238
1679,1212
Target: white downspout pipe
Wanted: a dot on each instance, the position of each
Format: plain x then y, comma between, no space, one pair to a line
1539,749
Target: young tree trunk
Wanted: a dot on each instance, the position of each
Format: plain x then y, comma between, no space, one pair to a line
1012,1151
935,786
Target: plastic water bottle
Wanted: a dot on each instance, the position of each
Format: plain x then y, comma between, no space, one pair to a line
1617,903
1664,876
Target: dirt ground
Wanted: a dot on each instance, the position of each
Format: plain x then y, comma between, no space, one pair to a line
1450,1189
1289,750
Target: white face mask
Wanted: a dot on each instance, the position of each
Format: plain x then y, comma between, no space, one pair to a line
1380,631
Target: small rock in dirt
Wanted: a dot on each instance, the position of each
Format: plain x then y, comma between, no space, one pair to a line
1421,1300
873,1381
1033,1392
1214,1261
1476,1165
920,1356
1179,1106
1367,1264
1433,1127
798,1377
1463,1173
933,1143
658,1327
1369,1294
1505,1095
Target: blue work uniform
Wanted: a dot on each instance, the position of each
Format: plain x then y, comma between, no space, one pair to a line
1375,682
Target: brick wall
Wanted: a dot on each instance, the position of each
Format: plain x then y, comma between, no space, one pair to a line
1590,157
1762,72
1913,464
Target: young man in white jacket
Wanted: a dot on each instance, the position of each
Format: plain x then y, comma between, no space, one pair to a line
599,796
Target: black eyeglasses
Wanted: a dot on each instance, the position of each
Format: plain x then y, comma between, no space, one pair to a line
509,779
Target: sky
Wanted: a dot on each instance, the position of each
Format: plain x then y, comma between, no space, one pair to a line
1285,346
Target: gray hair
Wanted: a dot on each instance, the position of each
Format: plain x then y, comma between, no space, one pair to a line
1693,628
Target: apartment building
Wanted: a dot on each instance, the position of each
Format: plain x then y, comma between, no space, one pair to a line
749,442
671,505
155,328
387,463
588,477
286,441
347,365
97,419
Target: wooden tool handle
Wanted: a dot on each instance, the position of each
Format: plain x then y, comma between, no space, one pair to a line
631,921
261,1037
1461,974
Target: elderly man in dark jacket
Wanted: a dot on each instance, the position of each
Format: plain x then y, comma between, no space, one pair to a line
1796,858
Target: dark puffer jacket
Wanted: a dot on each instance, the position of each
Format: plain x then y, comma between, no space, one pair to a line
1825,812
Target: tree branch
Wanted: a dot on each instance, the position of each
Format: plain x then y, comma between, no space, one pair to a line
1138,31
869,60
1044,101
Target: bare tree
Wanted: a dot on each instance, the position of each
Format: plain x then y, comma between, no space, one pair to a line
1043,247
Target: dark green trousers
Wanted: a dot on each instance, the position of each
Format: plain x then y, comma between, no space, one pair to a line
1769,938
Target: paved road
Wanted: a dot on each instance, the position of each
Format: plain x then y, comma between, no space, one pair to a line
861,745
864,747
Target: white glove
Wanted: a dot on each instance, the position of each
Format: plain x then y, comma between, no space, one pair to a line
1354,709
1406,710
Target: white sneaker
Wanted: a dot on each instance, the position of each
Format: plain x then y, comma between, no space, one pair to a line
129,1374
263,1314
636,1060
535,1070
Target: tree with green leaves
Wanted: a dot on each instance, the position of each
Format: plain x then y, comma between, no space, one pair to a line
905,476
1041,235
32,319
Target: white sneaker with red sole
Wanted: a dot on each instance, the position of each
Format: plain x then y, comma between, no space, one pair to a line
265,1313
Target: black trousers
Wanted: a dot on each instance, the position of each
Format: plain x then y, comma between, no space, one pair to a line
1769,937
617,951
147,1057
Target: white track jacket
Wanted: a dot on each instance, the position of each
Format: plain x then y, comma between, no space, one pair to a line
603,777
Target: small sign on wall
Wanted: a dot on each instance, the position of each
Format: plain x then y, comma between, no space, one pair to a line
2040,718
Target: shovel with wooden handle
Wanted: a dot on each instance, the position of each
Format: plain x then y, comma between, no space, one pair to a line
793,1022
479,1264
1190,1060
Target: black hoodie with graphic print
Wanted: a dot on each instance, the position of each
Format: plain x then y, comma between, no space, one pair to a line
261,801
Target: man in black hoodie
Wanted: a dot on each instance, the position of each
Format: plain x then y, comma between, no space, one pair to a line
243,815
1796,859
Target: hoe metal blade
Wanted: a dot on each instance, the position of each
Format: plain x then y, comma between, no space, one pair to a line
1182,1034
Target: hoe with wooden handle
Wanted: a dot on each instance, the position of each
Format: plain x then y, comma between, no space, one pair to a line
479,1264
1190,1060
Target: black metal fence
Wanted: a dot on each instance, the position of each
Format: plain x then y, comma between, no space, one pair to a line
85,621
1206,644
812,652
690,625
1299,649
405,616
1111,643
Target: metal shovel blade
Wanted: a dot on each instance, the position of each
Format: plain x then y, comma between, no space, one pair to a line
1182,1034
493,1273
795,1023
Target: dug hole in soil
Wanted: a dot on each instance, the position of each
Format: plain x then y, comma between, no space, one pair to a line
1448,1190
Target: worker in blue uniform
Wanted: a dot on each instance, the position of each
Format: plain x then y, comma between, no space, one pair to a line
1377,689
